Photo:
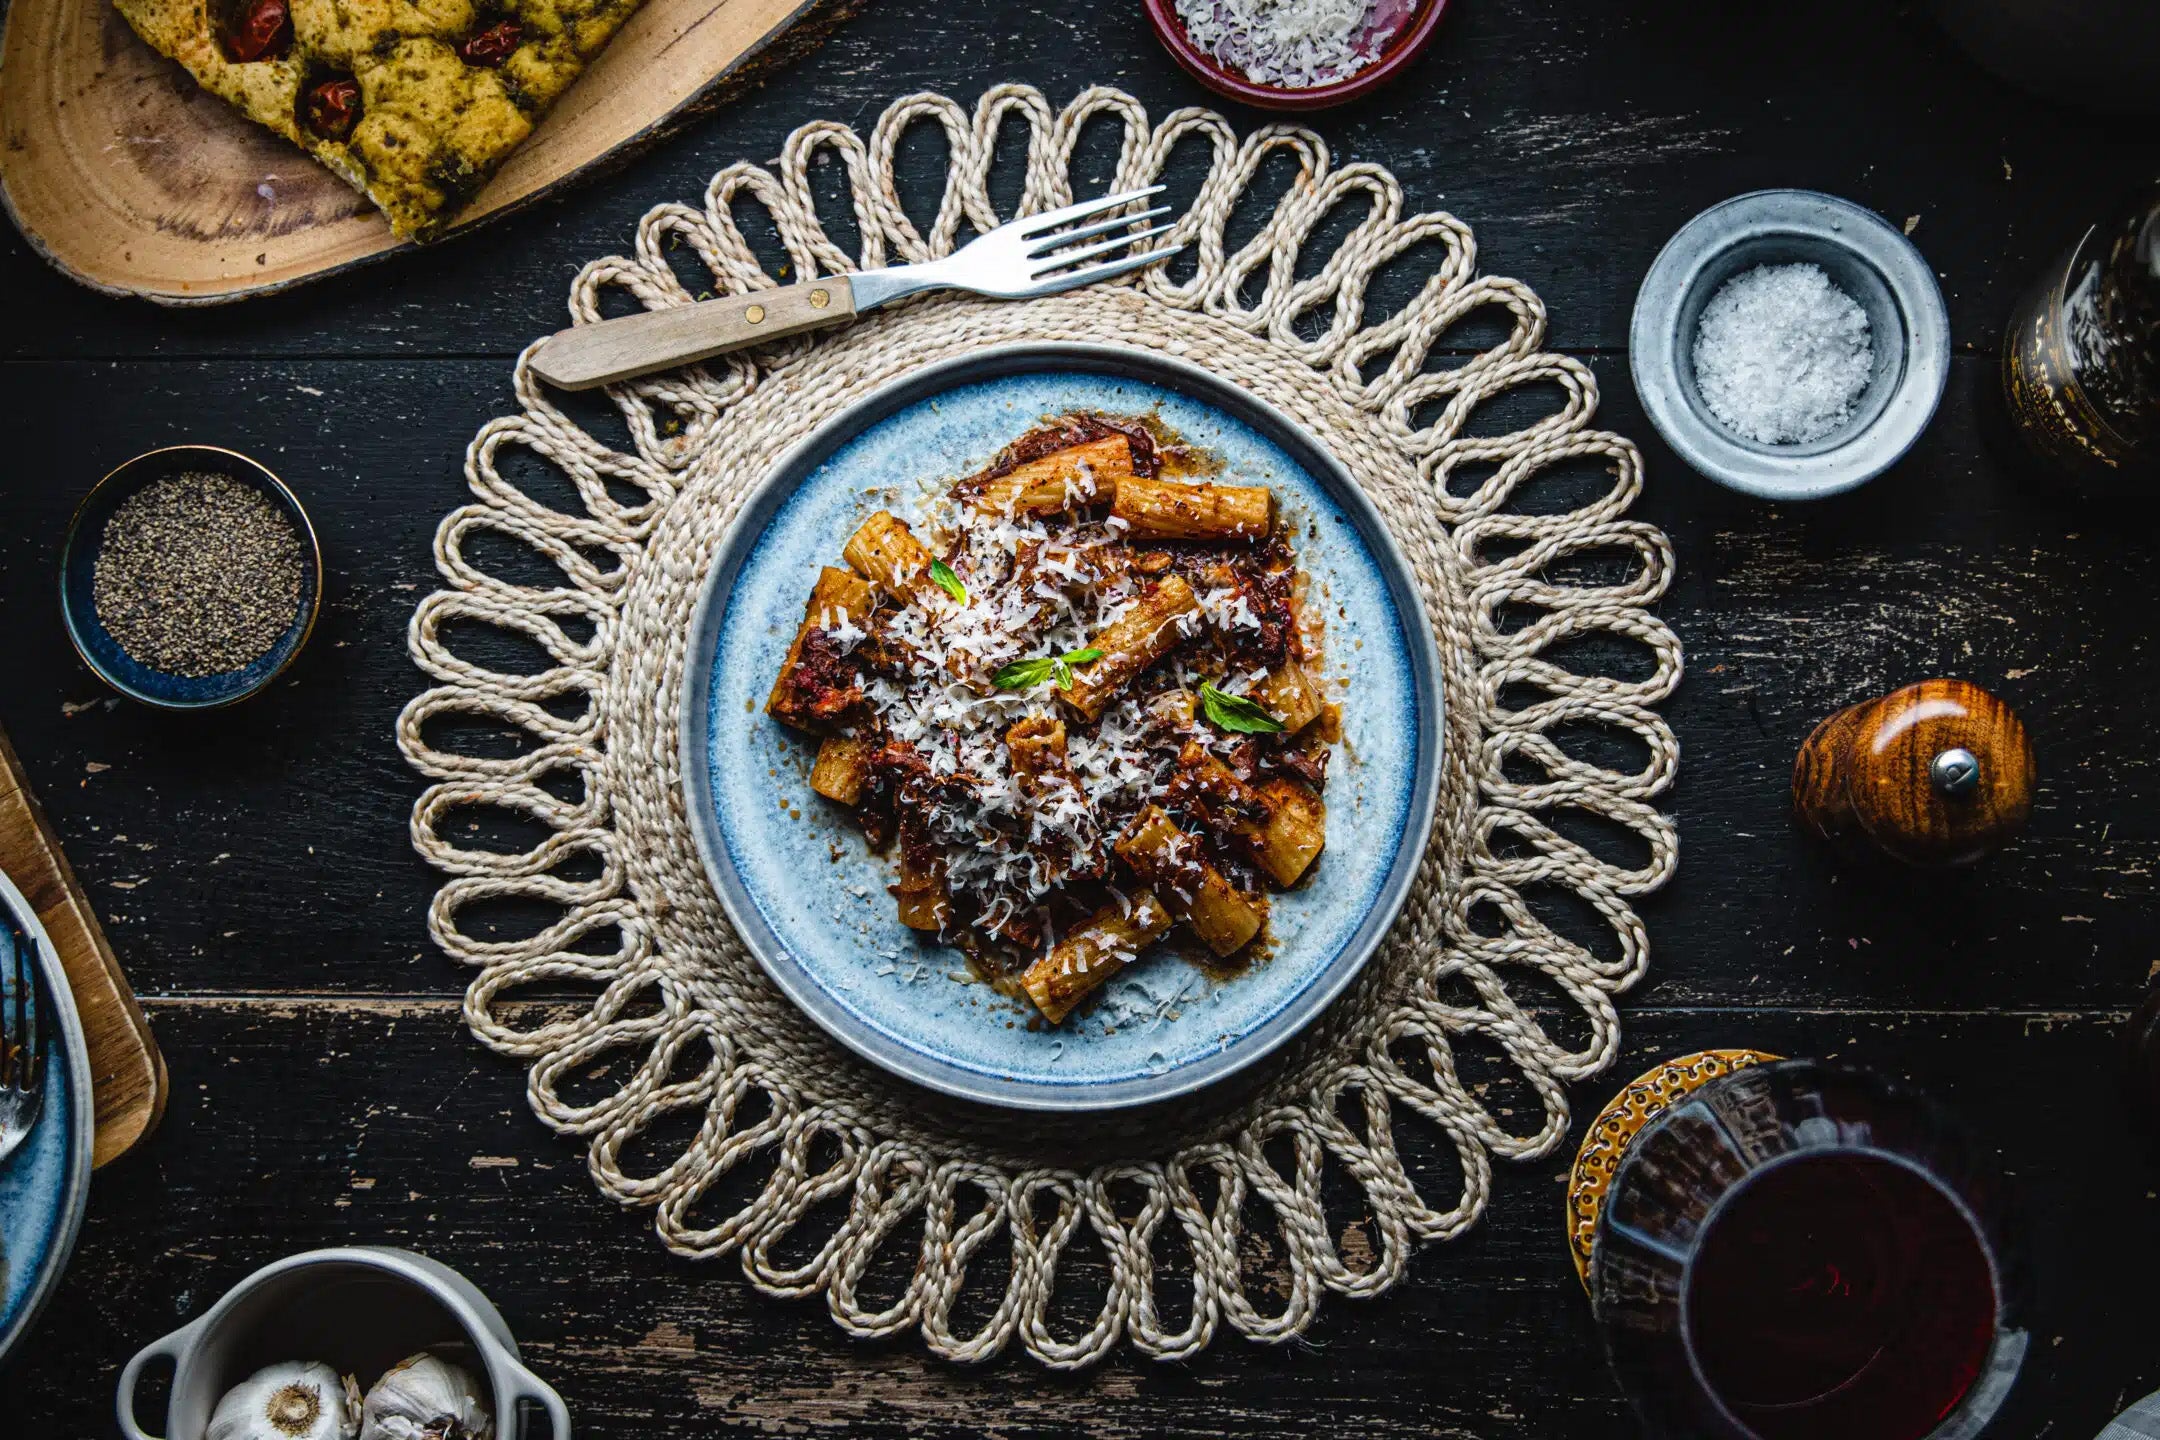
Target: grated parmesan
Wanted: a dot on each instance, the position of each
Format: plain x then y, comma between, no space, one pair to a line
1294,44
1013,844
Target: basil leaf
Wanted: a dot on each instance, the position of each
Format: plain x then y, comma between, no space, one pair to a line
1235,713
1023,674
942,573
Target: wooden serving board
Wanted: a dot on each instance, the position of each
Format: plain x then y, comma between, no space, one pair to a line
129,178
127,1074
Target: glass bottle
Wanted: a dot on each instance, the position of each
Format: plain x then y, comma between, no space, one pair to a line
2081,360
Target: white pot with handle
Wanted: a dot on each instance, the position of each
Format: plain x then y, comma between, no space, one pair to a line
359,1310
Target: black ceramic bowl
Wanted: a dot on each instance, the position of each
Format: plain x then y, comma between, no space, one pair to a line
78,572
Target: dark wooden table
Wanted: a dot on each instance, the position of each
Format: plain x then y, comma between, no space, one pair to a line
254,873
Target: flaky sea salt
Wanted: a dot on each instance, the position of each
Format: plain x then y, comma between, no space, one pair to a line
1782,355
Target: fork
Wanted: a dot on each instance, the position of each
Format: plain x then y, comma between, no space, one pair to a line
22,1070
1018,260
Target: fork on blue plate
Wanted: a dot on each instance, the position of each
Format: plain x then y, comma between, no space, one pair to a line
22,1055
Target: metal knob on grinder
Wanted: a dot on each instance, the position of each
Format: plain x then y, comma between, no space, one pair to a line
1937,774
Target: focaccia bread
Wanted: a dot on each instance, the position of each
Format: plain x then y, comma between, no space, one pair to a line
415,103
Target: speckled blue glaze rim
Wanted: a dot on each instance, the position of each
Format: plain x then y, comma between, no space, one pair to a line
78,574
1868,258
927,1070
45,1184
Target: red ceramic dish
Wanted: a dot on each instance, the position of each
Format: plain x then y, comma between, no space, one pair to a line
1224,81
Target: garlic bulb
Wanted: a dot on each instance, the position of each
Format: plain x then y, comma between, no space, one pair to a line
295,1400
425,1398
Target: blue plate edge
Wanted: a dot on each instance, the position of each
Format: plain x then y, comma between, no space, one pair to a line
83,1112
757,512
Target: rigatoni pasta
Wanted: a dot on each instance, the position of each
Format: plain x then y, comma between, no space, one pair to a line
1167,510
1069,479
1178,866
1112,938
1078,697
815,687
884,551
1289,696
842,768
1162,616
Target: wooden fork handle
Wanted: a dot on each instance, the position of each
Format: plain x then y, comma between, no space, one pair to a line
585,356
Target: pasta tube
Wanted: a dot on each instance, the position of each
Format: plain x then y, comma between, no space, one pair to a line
1112,938
810,692
1168,510
1067,479
1281,824
1037,747
1294,833
886,552
1149,631
842,769
1172,862
920,892
1288,694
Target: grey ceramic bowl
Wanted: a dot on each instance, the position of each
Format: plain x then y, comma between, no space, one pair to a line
1864,256
359,1310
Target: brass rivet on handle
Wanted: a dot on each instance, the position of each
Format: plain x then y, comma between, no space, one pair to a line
755,314
819,299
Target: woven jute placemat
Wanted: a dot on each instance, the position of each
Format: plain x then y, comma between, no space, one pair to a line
821,1173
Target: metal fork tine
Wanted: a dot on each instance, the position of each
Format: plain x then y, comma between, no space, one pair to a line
1051,219
11,1022
33,1050
1061,258
27,1006
1048,243
1053,284
21,1068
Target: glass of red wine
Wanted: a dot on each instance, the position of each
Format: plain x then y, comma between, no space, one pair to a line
1803,1249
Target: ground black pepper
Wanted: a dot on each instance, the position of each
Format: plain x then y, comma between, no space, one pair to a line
198,574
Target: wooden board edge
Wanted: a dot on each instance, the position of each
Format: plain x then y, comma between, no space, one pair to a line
114,1138
797,34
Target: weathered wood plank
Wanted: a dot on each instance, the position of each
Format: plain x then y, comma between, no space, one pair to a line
1573,140
304,1123
264,848
255,862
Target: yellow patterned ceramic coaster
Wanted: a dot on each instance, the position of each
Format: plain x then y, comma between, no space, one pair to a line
1638,1103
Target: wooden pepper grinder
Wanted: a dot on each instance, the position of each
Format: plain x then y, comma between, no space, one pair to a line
1936,774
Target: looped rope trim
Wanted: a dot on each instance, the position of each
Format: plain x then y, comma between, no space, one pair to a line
703,1095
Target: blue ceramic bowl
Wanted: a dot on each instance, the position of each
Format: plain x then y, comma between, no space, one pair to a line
45,1184
809,899
78,574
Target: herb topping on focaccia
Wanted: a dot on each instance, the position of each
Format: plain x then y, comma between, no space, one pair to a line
413,102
